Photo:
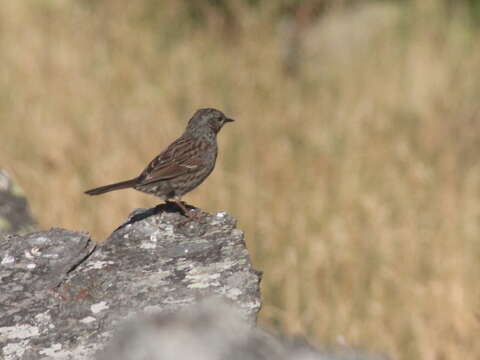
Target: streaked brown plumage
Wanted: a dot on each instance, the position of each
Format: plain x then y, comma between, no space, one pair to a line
184,165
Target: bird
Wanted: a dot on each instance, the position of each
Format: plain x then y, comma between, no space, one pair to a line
183,165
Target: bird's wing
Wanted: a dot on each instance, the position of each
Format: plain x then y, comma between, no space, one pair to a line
181,157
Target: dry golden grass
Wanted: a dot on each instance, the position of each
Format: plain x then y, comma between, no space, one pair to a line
357,181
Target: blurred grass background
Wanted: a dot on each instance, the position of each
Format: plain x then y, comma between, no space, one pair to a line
352,167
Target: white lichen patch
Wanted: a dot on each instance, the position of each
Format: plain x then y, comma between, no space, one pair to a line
96,308
43,318
252,305
81,351
19,331
201,278
219,218
149,228
199,285
220,266
36,251
183,265
155,279
8,259
148,245
233,293
88,320
236,232
153,309
154,236
98,264
169,230
14,351
40,240
51,256
186,300
52,350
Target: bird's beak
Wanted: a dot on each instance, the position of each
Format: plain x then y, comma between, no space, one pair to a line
229,120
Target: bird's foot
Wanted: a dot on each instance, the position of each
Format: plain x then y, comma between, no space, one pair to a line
192,214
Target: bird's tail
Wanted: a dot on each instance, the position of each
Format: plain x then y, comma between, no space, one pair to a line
112,187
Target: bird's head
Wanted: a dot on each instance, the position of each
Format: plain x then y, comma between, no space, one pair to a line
207,121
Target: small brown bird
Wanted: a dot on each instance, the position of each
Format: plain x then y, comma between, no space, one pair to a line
184,165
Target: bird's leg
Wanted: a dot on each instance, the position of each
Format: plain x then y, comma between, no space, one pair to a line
190,214
182,206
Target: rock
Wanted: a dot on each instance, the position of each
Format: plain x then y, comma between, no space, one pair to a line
15,216
140,295
154,263
31,268
38,261
211,330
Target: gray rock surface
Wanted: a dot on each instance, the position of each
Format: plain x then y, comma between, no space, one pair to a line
62,299
31,268
140,295
15,215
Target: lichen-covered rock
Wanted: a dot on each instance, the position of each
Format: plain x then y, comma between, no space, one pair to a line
15,216
31,268
154,263
137,296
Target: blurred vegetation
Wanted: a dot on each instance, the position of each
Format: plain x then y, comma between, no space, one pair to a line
353,166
